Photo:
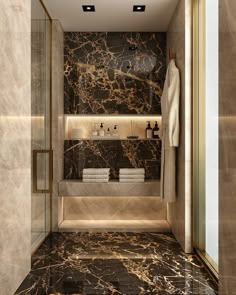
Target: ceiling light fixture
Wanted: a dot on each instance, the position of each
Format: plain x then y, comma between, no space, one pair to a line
139,8
88,8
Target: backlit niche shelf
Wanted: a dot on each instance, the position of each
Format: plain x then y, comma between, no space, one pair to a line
88,122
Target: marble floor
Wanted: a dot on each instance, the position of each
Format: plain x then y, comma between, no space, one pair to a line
115,263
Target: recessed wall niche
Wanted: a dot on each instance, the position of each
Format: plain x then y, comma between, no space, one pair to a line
114,73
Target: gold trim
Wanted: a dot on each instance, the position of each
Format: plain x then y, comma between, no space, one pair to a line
210,264
35,172
50,106
195,87
199,122
192,124
45,8
51,148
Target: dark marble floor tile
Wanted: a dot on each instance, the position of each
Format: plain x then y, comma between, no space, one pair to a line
115,263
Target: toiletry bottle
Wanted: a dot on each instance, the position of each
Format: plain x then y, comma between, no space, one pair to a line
155,131
148,130
108,133
101,130
94,131
115,131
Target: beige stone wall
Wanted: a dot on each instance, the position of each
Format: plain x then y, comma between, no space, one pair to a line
227,147
178,39
15,147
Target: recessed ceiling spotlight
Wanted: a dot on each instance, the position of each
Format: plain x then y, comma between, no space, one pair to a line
140,8
88,8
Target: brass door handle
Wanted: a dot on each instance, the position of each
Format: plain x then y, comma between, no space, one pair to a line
35,171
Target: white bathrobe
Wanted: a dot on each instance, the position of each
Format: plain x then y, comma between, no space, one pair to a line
169,132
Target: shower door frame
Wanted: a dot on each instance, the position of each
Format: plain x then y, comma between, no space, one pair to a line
48,151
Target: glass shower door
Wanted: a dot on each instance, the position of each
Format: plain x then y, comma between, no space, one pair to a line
206,131
40,125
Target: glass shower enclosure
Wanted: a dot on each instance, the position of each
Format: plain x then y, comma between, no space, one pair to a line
206,130
40,124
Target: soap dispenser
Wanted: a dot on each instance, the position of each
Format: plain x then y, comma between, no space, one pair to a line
108,132
101,130
149,131
115,131
155,130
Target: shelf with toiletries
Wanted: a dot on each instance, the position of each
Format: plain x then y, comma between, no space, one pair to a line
110,127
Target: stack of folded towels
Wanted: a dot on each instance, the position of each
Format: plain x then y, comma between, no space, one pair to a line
96,174
132,175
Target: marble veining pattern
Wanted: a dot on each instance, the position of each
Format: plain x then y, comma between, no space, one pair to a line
112,154
115,263
119,73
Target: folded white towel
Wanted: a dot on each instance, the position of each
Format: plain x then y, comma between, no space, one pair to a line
94,176
131,180
96,171
125,171
130,176
95,180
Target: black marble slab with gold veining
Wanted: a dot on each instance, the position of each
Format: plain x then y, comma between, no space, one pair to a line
115,263
107,73
113,154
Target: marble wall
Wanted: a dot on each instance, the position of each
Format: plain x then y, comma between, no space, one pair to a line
227,154
108,73
112,154
179,39
57,117
15,148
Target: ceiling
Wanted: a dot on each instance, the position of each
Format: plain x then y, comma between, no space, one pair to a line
112,15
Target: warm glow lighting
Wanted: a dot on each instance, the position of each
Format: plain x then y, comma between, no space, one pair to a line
140,8
87,123
112,117
89,8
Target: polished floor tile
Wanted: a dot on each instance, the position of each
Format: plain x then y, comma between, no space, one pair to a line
115,263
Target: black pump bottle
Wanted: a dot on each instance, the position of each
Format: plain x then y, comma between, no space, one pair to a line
149,131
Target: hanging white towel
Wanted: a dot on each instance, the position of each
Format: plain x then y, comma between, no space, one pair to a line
169,132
